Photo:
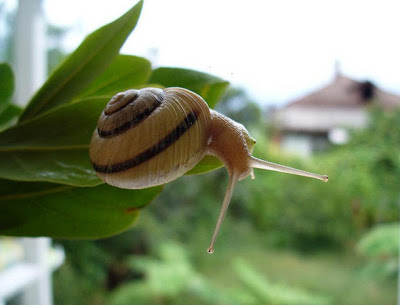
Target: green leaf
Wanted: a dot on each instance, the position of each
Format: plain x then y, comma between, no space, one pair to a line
8,112
9,116
6,84
54,146
46,209
209,87
125,72
207,164
381,241
91,58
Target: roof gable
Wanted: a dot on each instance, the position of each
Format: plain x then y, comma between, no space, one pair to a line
346,92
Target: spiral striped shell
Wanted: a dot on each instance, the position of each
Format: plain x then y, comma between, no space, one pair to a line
149,137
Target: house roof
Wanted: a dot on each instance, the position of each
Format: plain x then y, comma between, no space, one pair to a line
346,92
340,103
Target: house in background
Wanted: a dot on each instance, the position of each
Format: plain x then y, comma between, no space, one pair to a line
309,124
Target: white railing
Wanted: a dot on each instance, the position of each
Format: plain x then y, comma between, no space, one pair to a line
30,278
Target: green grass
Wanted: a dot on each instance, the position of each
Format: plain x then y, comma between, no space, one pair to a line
337,274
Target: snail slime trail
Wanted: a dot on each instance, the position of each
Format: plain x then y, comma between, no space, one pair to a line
132,149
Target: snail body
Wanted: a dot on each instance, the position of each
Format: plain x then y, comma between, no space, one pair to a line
152,136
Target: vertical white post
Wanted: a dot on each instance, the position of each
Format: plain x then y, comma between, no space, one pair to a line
31,57
36,252
31,66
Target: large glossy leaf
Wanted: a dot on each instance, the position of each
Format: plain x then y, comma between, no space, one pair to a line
6,84
91,58
209,87
54,146
125,72
46,209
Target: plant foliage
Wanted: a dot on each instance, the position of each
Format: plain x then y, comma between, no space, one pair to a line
47,184
381,246
171,277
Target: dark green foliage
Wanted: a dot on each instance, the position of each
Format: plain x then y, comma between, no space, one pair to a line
82,277
47,209
54,146
6,84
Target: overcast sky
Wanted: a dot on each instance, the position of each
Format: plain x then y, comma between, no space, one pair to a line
277,50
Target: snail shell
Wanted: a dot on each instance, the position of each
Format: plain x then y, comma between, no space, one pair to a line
149,137
152,136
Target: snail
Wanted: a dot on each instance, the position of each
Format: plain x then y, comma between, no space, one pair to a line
152,136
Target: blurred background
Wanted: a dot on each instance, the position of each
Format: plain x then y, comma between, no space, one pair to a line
316,83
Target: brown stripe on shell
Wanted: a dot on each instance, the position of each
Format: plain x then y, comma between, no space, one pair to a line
137,119
137,106
189,120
